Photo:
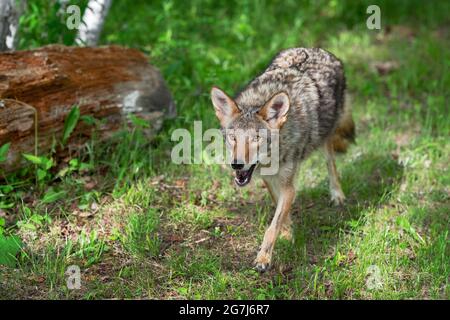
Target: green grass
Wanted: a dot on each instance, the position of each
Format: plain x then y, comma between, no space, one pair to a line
142,227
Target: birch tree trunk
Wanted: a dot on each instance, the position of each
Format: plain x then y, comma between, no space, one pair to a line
9,23
92,23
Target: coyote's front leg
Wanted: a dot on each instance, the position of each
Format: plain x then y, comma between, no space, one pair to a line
285,200
286,225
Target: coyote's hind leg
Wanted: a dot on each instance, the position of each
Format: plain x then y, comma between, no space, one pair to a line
337,196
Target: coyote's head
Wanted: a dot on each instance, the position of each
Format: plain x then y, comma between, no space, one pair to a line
249,134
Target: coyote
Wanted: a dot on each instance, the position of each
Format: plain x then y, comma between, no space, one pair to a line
300,98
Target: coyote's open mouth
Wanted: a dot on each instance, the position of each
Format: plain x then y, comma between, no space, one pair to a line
243,177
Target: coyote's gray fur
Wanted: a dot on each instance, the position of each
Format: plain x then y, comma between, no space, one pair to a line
300,94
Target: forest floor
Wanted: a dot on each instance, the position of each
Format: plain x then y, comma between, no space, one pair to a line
139,226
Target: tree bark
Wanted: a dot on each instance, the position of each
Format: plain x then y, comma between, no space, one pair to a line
44,85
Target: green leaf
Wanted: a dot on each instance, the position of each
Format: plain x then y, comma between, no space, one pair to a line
26,225
404,223
37,219
47,163
52,196
4,151
43,162
9,248
86,166
41,174
74,163
139,122
71,123
33,159
89,120
2,225
6,189
5,205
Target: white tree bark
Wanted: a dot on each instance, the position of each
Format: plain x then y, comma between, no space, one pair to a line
92,22
9,23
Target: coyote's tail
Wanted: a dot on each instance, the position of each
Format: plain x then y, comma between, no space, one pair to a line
345,132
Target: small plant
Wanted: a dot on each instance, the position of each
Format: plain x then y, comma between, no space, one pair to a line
91,247
6,188
87,199
9,246
70,123
43,165
4,152
74,165
32,220
141,235
53,195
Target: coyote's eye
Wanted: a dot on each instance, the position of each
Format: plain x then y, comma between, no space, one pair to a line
231,137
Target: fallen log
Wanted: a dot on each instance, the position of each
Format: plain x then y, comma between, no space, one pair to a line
38,88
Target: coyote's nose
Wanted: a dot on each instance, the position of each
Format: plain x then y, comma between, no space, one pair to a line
237,165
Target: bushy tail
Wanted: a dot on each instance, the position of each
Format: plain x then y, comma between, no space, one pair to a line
345,132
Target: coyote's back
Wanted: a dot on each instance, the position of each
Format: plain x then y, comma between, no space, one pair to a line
315,83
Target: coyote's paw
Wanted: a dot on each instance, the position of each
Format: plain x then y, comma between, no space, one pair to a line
337,197
262,262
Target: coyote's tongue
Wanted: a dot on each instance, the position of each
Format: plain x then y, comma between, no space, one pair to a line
243,177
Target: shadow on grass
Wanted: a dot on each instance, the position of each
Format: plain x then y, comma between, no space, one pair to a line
368,182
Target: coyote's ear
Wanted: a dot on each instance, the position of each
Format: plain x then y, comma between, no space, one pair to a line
225,107
275,110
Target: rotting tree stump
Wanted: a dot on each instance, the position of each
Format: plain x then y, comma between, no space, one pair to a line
106,83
